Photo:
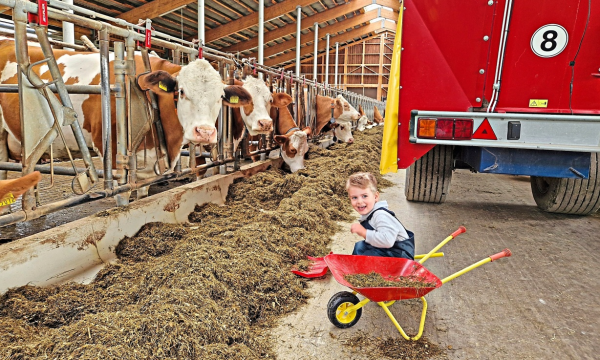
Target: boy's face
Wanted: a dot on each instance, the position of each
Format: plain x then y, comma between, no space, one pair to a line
362,200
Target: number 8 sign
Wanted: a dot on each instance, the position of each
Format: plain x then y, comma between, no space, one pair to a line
549,40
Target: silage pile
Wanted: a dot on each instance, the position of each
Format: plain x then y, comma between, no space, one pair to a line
206,290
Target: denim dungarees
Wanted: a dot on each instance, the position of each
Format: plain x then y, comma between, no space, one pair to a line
402,249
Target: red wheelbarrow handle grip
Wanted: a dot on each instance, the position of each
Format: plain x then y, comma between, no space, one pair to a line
501,254
460,230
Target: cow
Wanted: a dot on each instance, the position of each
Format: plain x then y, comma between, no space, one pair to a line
200,94
343,115
377,116
292,141
12,189
363,121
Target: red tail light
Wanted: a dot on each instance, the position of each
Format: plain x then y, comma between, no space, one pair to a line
463,129
445,129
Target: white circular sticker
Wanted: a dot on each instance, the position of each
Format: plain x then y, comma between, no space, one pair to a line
549,40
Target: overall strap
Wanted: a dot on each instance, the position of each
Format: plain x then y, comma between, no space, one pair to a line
389,212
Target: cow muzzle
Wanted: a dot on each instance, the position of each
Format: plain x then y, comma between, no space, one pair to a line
205,134
265,125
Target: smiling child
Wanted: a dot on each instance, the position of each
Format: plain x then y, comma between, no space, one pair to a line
384,234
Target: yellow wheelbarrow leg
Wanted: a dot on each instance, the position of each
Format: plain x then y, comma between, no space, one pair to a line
357,306
385,306
437,254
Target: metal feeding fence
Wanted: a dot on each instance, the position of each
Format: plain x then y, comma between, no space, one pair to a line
46,108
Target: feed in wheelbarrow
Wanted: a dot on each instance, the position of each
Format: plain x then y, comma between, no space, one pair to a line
374,279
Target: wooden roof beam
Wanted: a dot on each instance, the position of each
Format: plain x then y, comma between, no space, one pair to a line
250,20
309,21
331,29
347,36
153,9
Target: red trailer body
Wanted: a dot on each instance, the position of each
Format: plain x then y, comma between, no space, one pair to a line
525,74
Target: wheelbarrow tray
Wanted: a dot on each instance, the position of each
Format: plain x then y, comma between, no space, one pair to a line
318,268
341,265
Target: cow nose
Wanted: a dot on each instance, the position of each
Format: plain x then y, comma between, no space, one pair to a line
265,125
350,141
204,133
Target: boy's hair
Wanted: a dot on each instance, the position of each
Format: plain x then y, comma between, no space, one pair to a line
362,180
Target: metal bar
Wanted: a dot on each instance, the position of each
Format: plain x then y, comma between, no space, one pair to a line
68,28
66,100
201,24
316,52
337,48
45,169
71,89
298,34
120,69
326,82
106,123
261,30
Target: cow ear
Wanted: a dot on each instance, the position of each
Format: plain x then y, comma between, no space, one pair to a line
280,139
157,81
281,100
236,96
334,125
307,131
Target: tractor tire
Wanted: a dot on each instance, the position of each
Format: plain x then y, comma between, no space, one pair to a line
428,179
569,196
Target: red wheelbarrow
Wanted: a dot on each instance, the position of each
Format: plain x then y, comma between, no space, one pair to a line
345,309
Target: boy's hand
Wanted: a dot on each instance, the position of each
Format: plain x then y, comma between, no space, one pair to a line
359,230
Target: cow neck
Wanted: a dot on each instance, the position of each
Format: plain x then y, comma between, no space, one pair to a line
323,113
171,125
237,124
285,121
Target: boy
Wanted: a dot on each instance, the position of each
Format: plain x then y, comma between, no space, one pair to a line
383,233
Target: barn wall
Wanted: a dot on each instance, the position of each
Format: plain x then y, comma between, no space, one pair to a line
363,68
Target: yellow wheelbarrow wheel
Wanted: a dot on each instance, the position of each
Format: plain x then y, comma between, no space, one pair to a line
337,310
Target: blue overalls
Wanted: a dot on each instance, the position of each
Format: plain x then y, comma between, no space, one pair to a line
402,249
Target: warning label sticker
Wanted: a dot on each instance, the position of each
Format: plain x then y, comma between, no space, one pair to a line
541,103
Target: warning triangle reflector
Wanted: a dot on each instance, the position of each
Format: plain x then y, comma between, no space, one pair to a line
485,131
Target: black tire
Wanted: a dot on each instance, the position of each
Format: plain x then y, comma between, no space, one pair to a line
335,308
569,196
428,179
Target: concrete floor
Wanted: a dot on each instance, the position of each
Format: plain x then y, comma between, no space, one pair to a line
541,303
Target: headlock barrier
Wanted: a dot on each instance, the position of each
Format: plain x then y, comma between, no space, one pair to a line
137,95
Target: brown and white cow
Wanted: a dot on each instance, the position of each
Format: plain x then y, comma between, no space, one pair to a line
377,116
343,115
363,121
17,187
201,93
292,141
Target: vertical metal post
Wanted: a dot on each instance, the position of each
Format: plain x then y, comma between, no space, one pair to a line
261,33
131,72
201,22
327,63
298,35
105,95
120,68
337,48
177,61
316,52
221,124
68,28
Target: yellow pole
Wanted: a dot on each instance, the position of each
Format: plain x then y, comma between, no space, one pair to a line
387,311
438,254
460,230
389,146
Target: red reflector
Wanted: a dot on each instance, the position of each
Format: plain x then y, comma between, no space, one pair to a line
463,129
444,129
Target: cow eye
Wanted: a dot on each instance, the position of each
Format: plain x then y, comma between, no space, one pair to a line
293,151
342,127
181,93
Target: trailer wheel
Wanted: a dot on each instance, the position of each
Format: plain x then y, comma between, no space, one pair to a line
336,310
569,196
428,179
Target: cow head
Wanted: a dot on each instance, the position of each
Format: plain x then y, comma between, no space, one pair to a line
362,123
377,116
201,95
346,111
343,131
294,146
256,114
